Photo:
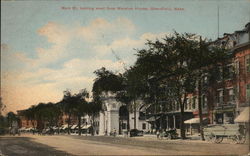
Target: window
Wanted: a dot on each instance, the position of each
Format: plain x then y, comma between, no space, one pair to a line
124,125
143,126
189,104
186,104
228,71
178,106
248,64
237,67
204,101
219,74
231,96
220,96
113,105
194,102
248,92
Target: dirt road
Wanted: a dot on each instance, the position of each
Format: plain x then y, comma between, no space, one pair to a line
101,145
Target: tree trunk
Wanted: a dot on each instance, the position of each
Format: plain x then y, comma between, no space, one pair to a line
79,125
182,126
69,123
200,110
134,115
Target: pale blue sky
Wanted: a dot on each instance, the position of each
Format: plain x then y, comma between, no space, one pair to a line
46,49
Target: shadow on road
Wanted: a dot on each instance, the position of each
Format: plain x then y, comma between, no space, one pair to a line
23,146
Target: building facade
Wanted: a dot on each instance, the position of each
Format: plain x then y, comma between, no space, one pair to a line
115,116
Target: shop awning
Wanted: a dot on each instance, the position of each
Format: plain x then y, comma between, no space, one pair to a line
23,128
151,119
74,126
194,121
86,126
64,126
54,127
244,116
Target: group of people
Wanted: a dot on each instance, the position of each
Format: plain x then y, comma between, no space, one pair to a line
166,133
112,133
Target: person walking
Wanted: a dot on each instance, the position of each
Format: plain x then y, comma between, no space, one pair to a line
157,134
114,132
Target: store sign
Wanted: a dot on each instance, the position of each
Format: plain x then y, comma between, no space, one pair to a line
224,108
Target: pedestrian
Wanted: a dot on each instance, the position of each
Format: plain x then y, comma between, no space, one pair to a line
114,132
157,134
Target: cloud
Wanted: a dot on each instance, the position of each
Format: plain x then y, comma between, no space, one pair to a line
55,33
73,53
102,30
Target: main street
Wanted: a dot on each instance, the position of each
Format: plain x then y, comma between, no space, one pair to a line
101,145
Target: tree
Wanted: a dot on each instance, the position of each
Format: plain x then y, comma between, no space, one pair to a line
174,62
30,114
106,81
75,104
94,108
134,89
11,117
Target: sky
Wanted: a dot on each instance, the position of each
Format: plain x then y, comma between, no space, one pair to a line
50,46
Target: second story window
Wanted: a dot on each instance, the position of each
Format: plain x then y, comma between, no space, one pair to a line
204,101
248,92
231,96
229,71
248,63
178,106
186,104
220,96
194,102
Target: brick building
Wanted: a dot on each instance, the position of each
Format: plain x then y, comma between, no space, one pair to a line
231,92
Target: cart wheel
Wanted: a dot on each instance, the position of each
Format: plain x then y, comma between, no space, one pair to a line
234,139
218,139
209,137
241,139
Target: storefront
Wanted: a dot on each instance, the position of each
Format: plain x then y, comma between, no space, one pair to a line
224,114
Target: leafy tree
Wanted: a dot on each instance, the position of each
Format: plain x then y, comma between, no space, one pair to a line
106,81
11,117
75,104
174,62
134,89
94,108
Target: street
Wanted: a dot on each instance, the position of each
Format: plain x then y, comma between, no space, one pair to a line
101,145
24,146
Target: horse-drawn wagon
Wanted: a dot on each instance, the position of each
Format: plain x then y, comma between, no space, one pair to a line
234,132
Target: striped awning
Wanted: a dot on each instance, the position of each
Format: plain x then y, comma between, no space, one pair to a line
86,126
73,127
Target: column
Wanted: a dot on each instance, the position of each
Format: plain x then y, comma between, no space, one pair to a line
102,124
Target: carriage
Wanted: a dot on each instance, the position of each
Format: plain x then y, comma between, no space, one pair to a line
236,133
